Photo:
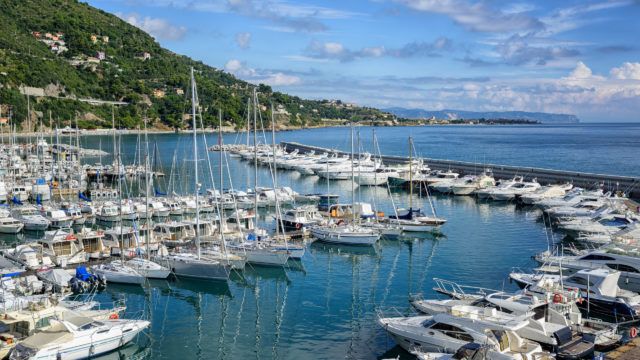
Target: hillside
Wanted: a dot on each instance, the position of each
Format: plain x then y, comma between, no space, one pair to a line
547,118
67,53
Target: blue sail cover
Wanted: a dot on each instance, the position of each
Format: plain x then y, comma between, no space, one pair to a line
83,274
411,213
83,197
16,201
38,199
158,192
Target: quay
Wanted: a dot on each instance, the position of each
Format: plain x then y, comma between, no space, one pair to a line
629,351
614,183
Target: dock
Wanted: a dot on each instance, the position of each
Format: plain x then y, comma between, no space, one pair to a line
628,351
615,183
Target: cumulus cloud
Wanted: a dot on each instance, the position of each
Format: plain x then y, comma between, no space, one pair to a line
628,71
261,76
479,16
156,27
243,39
337,51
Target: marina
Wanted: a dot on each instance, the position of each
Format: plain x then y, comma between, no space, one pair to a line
328,281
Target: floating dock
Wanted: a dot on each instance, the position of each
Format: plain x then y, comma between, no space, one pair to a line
614,183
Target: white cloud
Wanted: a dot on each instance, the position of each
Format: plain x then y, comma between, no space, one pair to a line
259,76
581,71
478,16
628,71
243,39
156,27
337,51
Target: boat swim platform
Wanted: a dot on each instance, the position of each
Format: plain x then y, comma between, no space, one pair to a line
614,183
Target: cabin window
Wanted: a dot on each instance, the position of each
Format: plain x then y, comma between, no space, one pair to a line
453,331
539,313
581,281
622,267
597,257
428,323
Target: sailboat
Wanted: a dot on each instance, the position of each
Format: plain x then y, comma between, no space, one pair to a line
188,264
351,233
256,247
414,220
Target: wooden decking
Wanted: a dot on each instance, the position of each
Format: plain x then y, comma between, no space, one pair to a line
629,351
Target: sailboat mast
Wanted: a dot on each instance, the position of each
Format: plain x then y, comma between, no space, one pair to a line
195,154
221,186
353,205
255,151
410,174
146,185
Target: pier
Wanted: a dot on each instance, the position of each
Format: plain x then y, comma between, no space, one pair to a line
614,183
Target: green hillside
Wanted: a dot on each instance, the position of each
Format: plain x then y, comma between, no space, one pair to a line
69,51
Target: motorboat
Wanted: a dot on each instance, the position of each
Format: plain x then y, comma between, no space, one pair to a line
300,218
30,255
514,191
31,218
599,288
174,233
78,338
447,333
62,247
159,209
57,218
545,192
616,256
546,315
108,212
469,185
502,185
10,225
93,243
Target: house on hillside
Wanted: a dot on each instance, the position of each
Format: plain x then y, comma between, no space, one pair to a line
158,93
179,91
105,39
93,38
36,34
101,55
143,56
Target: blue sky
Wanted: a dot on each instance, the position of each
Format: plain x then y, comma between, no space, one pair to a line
578,57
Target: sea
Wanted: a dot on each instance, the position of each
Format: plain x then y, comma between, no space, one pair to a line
326,305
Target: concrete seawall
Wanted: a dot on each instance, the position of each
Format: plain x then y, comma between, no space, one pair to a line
629,185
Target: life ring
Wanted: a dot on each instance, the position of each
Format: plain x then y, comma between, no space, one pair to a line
633,332
580,300
557,298
114,316
298,226
70,237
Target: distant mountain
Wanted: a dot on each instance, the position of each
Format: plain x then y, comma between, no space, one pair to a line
547,118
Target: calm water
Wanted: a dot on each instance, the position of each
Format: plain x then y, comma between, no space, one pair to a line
325,305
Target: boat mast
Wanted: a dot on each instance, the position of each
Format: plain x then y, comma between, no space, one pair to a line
220,141
353,205
195,153
146,184
410,175
255,152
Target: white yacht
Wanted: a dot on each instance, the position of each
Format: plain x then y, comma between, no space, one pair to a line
447,333
467,186
545,192
93,243
57,218
108,212
617,256
504,184
148,268
159,209
9,225
78,338
517,189
31,218
62,247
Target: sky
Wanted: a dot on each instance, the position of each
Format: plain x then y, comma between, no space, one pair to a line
577,57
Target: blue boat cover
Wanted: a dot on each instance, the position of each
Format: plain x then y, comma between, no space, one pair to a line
83,274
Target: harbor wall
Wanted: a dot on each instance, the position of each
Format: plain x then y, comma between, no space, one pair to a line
627,184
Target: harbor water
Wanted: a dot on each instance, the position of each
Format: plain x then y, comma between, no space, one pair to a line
325,306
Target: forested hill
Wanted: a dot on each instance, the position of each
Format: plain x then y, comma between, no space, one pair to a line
65,53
